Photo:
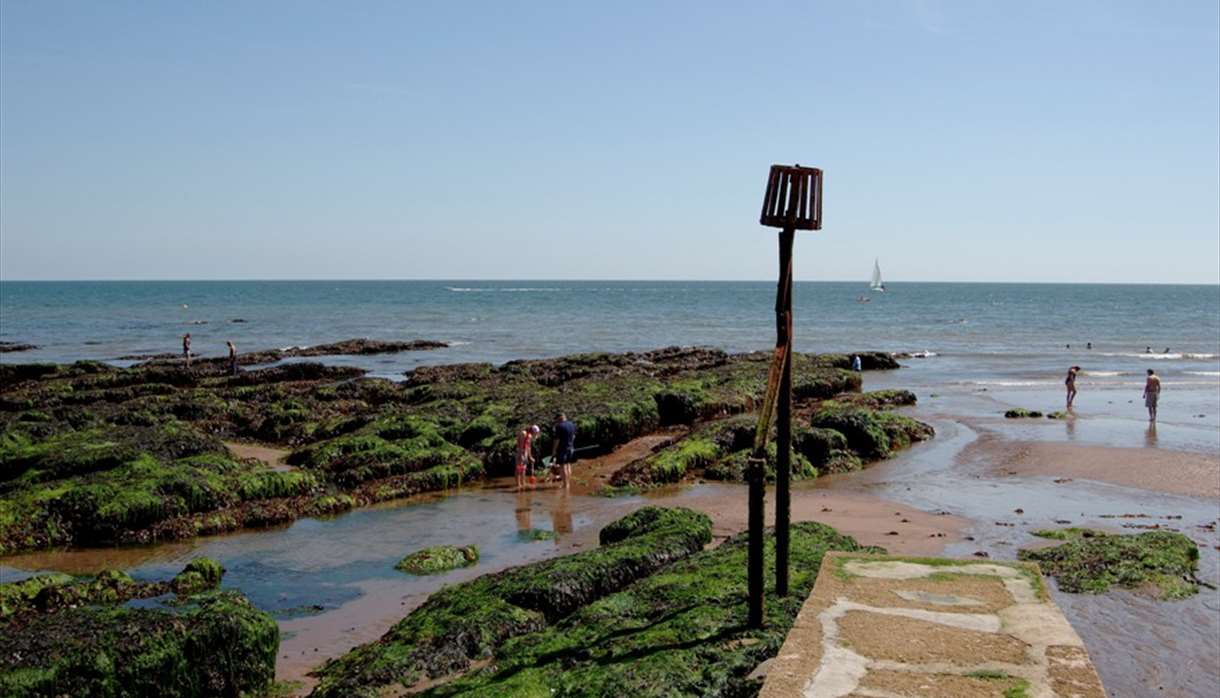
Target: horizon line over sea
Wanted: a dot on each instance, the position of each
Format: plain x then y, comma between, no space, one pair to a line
438,279
1019,333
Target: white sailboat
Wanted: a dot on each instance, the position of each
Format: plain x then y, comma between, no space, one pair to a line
877,284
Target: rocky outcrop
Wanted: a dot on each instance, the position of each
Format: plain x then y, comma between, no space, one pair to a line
470,621
843,434
6,347
1159,563
676,632
216,644
93,454
439,558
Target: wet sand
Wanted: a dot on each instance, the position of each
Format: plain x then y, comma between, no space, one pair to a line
273,457
1152,469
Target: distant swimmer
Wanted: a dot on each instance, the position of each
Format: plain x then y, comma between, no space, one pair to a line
232,359
1147,350
1067,346
1070,382
1089,345
186,348
1152,392
1166,350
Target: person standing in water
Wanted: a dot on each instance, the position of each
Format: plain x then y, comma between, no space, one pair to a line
1070,382
232,359
564,450
186,348
525,452
1152,392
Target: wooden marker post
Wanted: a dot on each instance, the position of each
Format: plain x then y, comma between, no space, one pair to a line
793,201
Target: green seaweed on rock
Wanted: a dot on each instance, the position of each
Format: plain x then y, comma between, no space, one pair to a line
1162,563
437,559
466,622
218,645
678,632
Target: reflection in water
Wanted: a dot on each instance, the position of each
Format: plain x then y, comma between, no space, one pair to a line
561,514
524,507
1150,435
1069,426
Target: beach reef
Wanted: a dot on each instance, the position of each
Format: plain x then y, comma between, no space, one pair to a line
75,636
650,612
93,455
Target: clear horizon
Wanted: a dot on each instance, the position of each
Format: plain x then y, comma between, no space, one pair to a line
888,282
962,143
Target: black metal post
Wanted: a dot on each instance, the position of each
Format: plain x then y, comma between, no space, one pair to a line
756,473
783,412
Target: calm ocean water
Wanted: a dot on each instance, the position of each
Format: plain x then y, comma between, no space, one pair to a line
1010,333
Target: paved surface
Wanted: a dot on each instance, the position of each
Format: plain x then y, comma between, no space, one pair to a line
891,627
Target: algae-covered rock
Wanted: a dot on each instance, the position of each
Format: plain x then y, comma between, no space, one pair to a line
200,574
46,593
1021,413
1161,563
219,645
440,558
870,434
92,454
534,535
677,632
17,596
469,621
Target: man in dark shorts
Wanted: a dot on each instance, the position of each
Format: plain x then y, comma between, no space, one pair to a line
564,450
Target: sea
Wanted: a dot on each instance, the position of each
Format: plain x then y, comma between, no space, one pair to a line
1012,334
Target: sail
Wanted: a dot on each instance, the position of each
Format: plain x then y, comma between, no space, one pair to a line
876,283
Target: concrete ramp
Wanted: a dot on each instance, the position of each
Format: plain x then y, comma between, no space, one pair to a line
895,627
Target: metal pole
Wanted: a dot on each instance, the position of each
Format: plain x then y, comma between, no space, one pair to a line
783,437
756,472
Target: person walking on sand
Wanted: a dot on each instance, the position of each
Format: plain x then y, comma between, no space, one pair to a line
232,359
1070,382
1152,392
186,348
564,450
525,452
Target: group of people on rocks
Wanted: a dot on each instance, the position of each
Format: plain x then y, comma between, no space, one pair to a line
186,353
563,451
1152,390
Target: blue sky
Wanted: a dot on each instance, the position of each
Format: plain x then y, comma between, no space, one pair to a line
962,141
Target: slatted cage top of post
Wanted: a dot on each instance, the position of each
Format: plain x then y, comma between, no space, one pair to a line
793,198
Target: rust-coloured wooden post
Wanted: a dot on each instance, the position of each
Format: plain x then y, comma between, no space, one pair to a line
793,201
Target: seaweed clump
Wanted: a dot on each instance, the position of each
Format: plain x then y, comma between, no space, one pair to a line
678,632
51,592
439,558
217,645
1022,413
470,621
70,636
1161,563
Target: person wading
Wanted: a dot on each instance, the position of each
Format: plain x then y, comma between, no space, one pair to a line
1070,382
564,450
525,452
1152,392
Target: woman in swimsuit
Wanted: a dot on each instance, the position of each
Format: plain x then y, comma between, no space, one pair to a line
1070,382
